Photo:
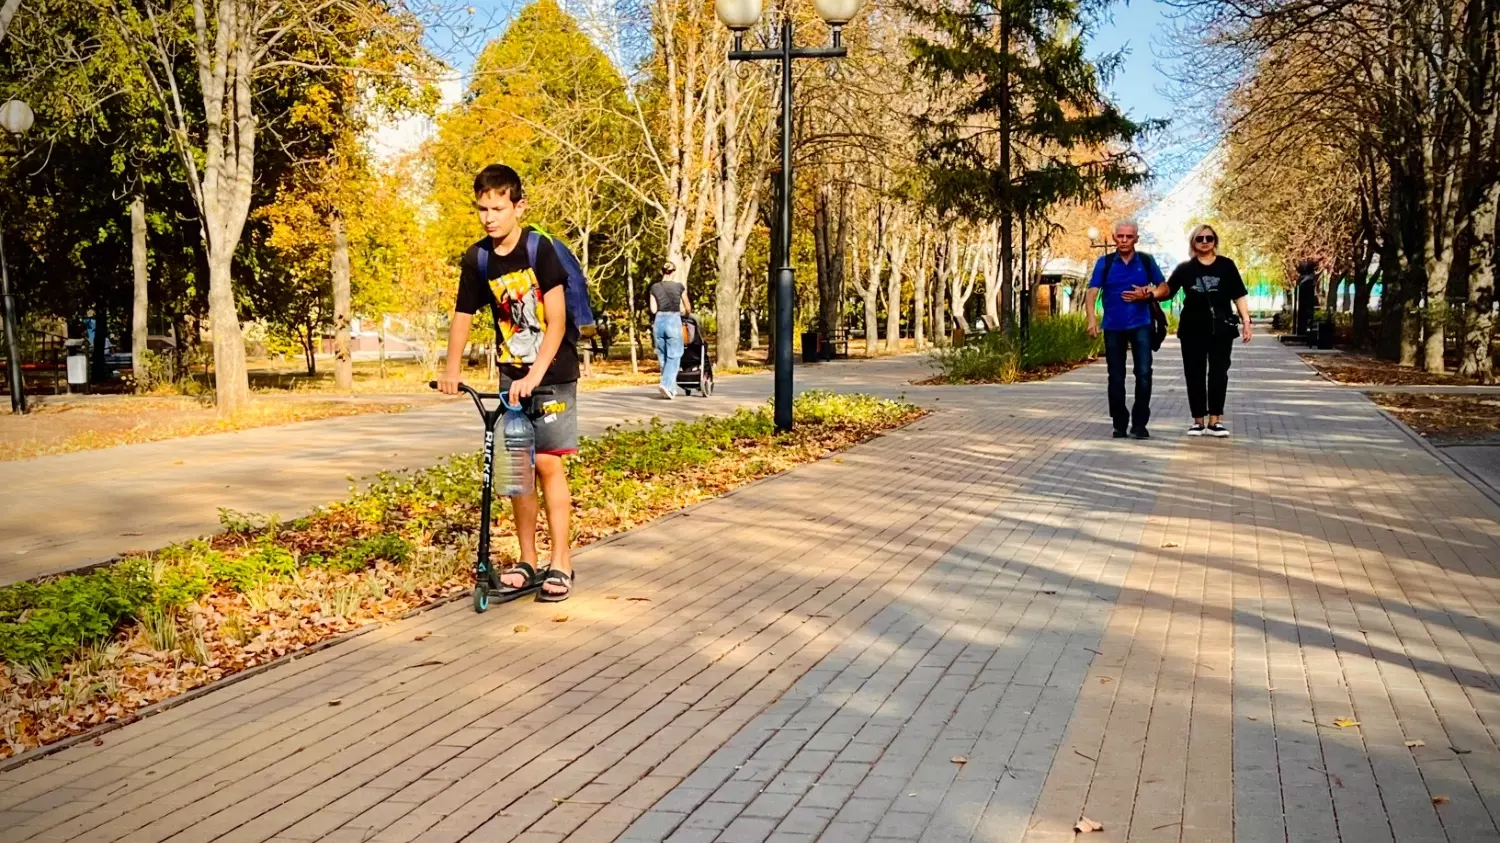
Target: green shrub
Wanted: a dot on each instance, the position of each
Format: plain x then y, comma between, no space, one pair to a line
361,555
989,358
1061,339
1001,357
51,621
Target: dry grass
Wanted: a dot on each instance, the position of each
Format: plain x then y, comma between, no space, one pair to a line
1364,370
1455,418
107,421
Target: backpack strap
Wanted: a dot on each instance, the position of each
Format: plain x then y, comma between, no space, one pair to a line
485,247
533,241
1109,260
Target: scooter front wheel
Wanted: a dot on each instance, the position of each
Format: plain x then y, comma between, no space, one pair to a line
481,598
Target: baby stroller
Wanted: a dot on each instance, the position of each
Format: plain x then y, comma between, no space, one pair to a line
697,370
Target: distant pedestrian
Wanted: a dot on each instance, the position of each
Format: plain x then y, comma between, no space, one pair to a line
669,301
1126,278
1215,311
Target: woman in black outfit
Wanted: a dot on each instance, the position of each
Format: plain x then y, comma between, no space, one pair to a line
1214,312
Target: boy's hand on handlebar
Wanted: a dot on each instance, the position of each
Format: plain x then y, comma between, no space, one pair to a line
522,389
448,384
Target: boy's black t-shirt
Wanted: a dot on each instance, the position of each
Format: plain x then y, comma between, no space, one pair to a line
514,291
1211,290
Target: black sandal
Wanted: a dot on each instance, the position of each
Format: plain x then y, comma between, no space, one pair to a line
561,578
534,579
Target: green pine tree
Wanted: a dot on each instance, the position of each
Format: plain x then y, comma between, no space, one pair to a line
1022,122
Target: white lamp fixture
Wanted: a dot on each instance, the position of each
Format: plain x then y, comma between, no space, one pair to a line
738,15
1093,234
836,13
16,117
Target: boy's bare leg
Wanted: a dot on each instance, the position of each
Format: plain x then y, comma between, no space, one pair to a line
524,508
554,482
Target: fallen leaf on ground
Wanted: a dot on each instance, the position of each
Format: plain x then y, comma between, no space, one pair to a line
428,663
959,759
1252,718
520,627
1440,800
639,599
1457,751
1345,722
1105,680
611,597
1171,544
422,637
1086,825
560,619
1048,591
336,702
1414,744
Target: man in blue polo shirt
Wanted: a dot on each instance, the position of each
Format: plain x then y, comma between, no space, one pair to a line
1126,278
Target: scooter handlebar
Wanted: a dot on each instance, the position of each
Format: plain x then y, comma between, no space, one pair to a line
470,391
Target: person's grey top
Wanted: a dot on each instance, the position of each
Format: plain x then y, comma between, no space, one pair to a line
668,296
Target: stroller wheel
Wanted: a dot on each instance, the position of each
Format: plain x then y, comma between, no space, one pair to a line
481,598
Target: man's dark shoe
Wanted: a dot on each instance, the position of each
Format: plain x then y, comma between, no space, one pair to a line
1140,434
1120,434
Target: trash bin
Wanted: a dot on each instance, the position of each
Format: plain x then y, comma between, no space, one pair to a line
78,364
812,345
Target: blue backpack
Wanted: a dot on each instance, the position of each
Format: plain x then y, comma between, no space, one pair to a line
576,287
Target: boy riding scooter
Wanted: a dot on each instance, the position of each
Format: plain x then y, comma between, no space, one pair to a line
516,271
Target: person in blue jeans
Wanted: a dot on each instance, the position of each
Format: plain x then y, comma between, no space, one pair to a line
1127,280
668,300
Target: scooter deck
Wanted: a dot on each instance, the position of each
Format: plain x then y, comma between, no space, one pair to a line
498,597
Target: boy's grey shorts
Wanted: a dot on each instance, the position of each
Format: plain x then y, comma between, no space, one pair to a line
553,410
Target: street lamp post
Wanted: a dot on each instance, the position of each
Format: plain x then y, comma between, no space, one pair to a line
16,119
740,15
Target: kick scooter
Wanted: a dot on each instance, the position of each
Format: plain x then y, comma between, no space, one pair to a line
487,586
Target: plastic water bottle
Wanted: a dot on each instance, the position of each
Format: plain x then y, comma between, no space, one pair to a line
518,465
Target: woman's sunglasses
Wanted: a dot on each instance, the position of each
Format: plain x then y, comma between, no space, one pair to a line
1205,238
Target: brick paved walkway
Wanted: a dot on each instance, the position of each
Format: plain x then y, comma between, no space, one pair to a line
1157,635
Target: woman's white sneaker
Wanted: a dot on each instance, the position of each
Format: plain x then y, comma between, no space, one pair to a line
1218,431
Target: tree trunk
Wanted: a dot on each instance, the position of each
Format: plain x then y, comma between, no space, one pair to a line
1477,360
635,365
900,239
140,330
992,280
343,368
919,294
940,328
830,235
231,378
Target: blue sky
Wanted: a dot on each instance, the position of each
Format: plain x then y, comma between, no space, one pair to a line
1134,27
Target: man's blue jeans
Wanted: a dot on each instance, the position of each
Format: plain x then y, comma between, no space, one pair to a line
667,333
1138,340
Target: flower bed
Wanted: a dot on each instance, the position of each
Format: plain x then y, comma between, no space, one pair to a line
82,650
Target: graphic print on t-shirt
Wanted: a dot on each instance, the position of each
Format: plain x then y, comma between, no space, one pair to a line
520,316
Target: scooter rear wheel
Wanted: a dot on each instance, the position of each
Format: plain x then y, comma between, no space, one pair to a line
481,598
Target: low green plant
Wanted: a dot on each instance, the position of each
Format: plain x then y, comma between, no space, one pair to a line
52,621
1001,356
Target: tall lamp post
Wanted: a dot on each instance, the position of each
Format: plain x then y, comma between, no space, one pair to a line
16,119
740,15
